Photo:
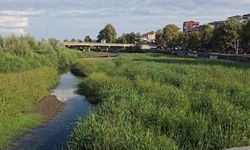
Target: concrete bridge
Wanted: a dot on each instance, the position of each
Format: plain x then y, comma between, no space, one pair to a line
101,46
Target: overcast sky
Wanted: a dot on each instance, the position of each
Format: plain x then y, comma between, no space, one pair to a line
77,18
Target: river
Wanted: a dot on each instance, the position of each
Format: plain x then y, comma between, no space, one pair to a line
55,134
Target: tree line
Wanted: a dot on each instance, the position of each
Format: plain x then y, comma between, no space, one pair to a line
109,34
230,37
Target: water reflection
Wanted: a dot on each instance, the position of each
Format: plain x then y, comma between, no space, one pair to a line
55,134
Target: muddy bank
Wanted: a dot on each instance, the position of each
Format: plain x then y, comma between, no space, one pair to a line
60,113
49,107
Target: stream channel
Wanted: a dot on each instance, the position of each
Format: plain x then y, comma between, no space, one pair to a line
55,134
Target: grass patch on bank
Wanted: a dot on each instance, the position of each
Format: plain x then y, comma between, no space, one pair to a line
61,60
148,101
28,70
19,93
24,52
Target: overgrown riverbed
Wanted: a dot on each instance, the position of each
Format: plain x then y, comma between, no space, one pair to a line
28,71
151,101
55,133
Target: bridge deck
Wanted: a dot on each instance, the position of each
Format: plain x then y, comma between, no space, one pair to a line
97,44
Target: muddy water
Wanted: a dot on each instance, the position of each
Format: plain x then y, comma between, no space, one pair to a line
55,134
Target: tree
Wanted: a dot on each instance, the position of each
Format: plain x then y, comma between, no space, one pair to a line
87,39
217,40
121,39
245,35
171,35
206,34
55,43
194,41
129,38
190,41
159,39
73,40
227,36
137,37
108,34
2,43
79,40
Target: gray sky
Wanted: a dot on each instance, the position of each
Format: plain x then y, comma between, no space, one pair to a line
77,18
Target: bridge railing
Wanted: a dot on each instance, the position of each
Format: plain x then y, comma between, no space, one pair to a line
97,44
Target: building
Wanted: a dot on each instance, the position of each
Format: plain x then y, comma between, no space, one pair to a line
246,17
149,37
190,26
216,24
103,41
238,17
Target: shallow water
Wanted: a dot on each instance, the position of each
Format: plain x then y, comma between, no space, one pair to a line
55,134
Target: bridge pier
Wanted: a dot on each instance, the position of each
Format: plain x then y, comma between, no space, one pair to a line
106,49
89,49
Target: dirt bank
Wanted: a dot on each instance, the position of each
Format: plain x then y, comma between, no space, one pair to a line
49,107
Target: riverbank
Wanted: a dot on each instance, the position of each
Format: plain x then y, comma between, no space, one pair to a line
55,133
23,84
220,56
28,71
48,107
20,92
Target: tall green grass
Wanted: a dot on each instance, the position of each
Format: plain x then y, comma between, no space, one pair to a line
19,53
14,63
19,92
148,101
28,70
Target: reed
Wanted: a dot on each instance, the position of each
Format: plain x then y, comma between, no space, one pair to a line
19,94
148,101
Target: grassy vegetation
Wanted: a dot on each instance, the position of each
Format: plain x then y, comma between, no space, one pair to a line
151,101
19,92
19,53
28,70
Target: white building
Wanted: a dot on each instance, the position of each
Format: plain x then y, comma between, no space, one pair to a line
149,37
103,41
